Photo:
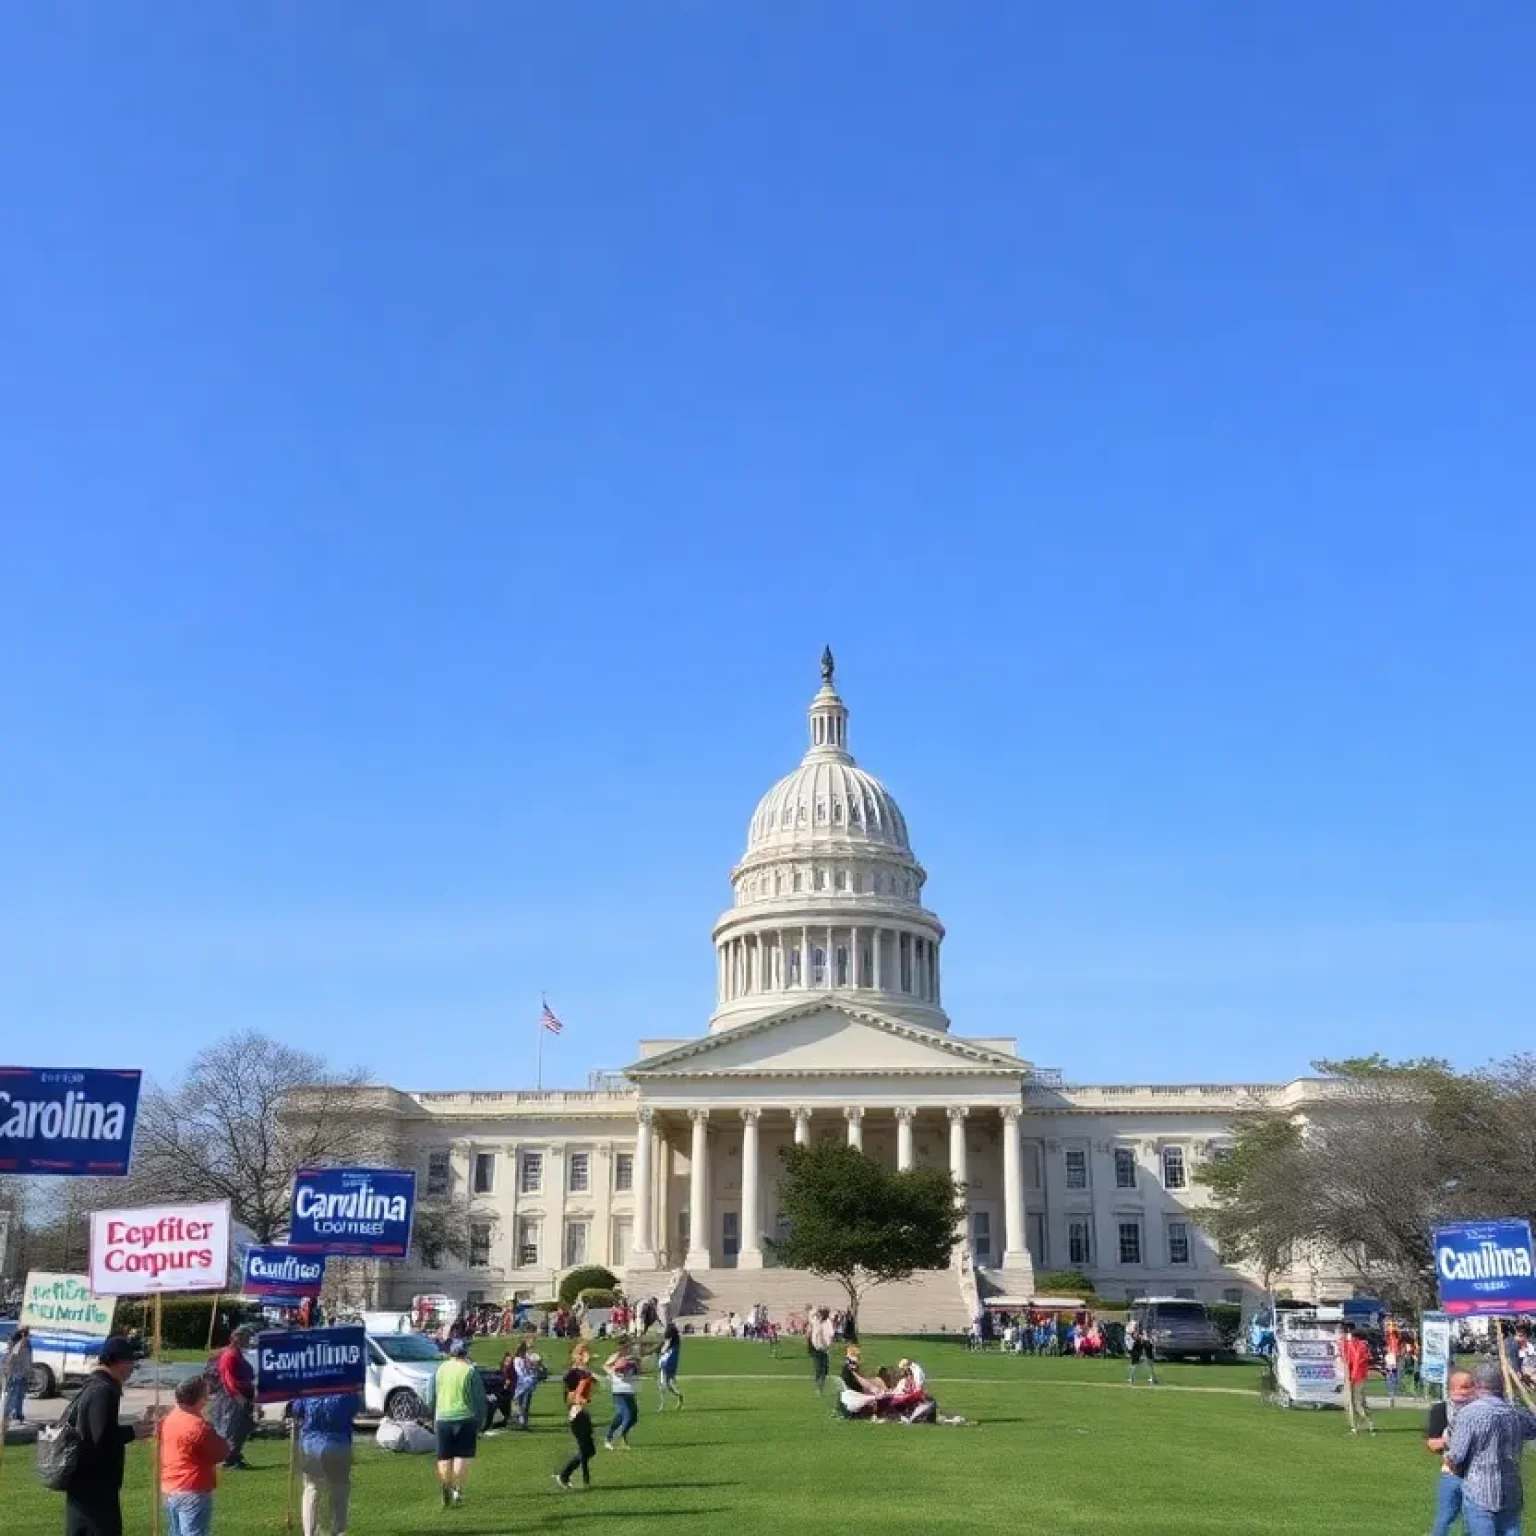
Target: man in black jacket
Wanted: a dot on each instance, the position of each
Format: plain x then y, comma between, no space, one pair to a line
93,1501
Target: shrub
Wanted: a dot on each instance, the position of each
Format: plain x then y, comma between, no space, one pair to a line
1064,1282
1227,1318
588,1277
598,1296
183,1321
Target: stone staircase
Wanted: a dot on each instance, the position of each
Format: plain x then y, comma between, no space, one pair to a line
930,1302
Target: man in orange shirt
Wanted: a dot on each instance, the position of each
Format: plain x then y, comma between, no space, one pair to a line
1355,1356
190,1453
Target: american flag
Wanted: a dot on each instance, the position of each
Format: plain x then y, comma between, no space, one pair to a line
547,1020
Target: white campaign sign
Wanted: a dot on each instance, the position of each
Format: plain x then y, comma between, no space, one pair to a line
160,1248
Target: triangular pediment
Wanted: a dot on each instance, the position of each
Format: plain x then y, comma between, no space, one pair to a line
826,1037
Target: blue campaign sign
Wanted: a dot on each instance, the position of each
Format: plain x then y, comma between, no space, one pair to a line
310,1362
353,1211
67,1122
282,1272
1486,1268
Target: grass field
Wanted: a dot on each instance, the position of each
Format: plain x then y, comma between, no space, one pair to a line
1056,1445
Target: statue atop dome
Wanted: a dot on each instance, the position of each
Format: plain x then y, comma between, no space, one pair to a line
827,665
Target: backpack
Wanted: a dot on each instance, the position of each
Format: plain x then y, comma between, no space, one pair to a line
58,1451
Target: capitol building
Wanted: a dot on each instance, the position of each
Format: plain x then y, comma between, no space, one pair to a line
829,1021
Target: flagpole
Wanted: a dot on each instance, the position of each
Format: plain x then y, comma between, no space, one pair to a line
539,1068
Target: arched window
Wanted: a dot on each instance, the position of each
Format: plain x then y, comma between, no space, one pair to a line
818,966
842,879
799,880
821,879
842,965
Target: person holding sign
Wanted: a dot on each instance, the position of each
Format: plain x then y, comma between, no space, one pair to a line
456,1398
235,1410
325,1455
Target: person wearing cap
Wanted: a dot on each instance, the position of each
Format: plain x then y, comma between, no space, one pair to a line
1484,1452
456,1398
234,1412
93,1500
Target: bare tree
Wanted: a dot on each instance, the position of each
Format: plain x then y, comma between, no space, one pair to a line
223,1132
1363,1180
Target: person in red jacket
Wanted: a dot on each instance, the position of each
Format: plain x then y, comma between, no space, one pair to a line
1355,1356
234,1413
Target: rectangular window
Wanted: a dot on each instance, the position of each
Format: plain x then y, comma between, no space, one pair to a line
533,1173
529,1230
730,1234
623,1230
479,1244
1077,1167
439,1172
1130,1242
981,1237
1218,1152
1178,1242
1034,1225
624,1173
485,1173
1080,1243
1185,1293
1173,1168
576,1243
579,1173
1031,1165
1125,1168
1233,1296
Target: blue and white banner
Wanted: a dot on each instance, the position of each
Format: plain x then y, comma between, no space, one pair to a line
67,1122
282,1272
1434,1348
1486,1268
310,1363
353,1211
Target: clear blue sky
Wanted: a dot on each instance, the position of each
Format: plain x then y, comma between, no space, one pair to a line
438,440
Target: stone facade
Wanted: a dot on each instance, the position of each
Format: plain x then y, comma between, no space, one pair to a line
829,1022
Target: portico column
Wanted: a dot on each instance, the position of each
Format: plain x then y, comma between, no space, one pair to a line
959,1173
802,1127
750,1255
904,1119
1015,1245
698,1192
855,1119
831,960
643,1251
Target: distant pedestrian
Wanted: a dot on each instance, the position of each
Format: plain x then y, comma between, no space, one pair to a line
325,1455
623,1368
93,1500
234,1410
818,1342
1355,1357
456,1399
1391,1362
578,1412
191,1452
1138,1345
1437,1435
667,1363
1484,1451
15,1373
528,1370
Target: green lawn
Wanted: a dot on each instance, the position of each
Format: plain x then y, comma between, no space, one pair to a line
1056,1445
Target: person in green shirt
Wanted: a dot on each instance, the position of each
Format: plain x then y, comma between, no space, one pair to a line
456,1400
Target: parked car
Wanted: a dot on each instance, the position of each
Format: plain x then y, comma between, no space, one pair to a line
1178,1327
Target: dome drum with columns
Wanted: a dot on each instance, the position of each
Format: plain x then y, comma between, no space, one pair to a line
828,1022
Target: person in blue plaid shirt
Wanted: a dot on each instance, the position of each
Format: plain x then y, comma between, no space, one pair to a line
1484,1451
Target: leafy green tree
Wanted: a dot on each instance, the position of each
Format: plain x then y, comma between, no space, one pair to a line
860,1224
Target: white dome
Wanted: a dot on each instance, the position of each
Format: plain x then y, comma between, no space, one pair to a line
827,798
828,896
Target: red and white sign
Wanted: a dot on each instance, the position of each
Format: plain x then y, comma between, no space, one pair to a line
160,1248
